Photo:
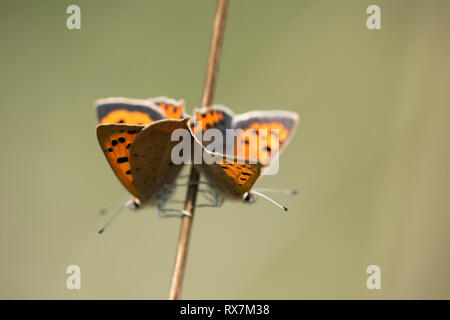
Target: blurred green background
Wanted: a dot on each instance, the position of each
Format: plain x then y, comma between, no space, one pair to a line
371,156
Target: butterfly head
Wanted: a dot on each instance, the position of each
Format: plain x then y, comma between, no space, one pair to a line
133,204
248,197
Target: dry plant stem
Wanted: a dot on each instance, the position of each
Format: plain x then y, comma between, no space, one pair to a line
183,240
191,195
214,53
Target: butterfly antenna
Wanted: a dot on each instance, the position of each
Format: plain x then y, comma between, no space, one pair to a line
290,192
108,207
126,204
269,199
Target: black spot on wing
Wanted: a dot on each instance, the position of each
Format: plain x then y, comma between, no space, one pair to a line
122,159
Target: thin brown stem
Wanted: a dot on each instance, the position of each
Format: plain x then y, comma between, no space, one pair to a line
191,195
214,53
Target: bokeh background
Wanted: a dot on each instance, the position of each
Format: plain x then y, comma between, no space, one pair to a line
370,158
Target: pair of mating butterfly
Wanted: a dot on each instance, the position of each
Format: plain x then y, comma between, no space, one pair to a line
135,136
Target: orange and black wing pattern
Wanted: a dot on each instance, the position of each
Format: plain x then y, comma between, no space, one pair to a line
260,134
127,111
171,108
258,137
119,122
242,174
116,141
263,134
231,176
218,117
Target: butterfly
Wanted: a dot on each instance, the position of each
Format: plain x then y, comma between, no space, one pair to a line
135,137
234,174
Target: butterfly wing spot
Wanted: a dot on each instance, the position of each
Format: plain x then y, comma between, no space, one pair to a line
122,159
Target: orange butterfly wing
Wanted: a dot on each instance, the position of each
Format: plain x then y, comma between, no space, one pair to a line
243,174
230,176
120,120
127,111
151,159
263,134
116,141
217,117
171,108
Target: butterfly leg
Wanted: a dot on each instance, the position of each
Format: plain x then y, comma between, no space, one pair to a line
214,197
177,201
208,194
173,186
215,202
163,211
